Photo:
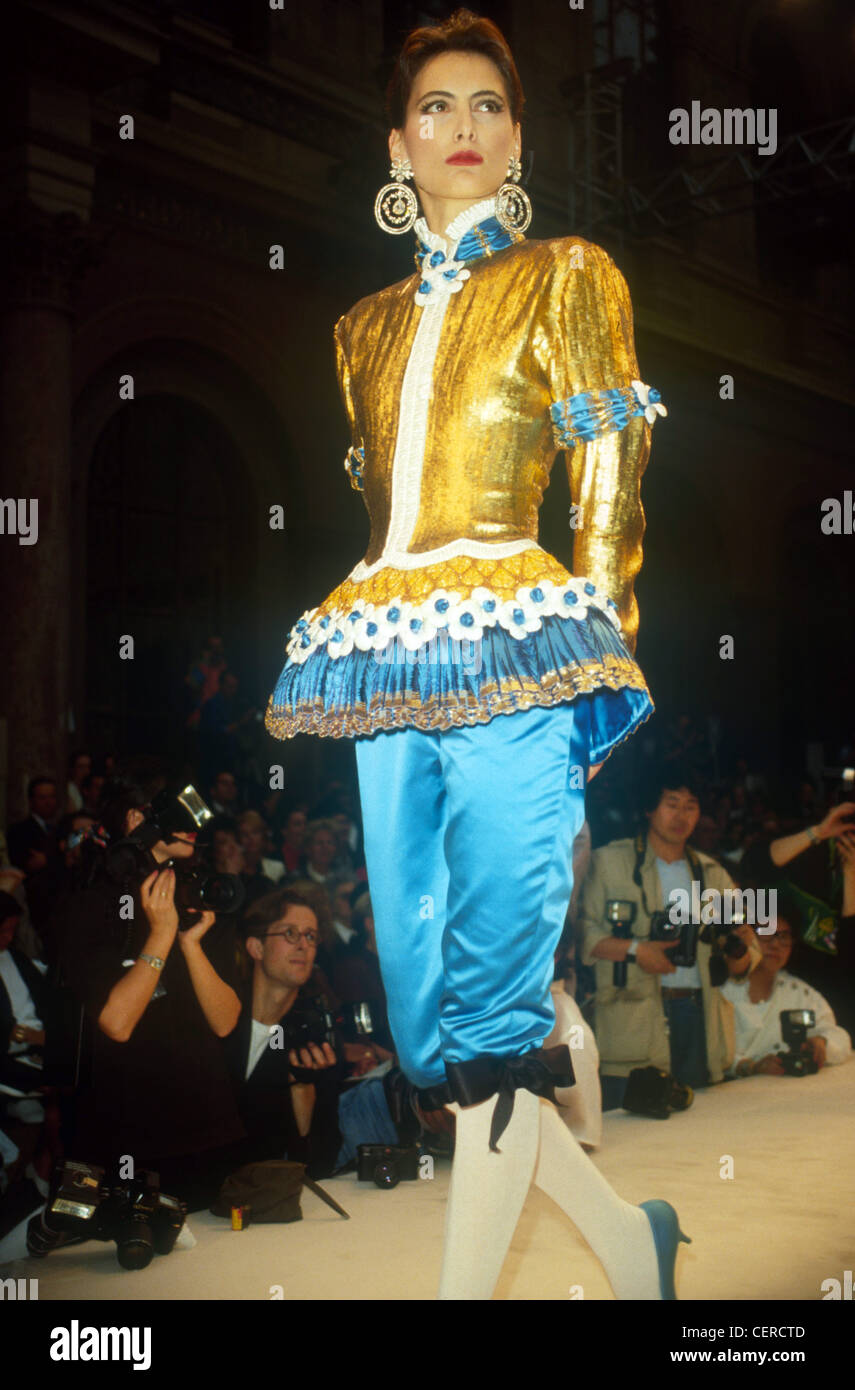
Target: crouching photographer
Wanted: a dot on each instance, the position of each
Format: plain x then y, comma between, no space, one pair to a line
783,1026
150,960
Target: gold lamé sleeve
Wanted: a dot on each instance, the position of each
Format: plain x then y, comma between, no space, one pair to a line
353,463
605,481
595,350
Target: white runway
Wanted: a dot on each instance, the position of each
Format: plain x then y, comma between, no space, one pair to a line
784,1223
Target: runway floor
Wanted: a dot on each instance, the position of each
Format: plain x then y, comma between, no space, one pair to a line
780,1226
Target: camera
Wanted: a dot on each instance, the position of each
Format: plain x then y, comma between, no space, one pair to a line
663,929
798,1060
309,1022
81,1205
386,1164
197,887
620,913
726,945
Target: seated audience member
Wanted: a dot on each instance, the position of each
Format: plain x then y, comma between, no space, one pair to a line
759,998
253,836
287,1084
23,1000
91,789
32,847
223,795
320,851
156,1001
292,840
358,986
230,858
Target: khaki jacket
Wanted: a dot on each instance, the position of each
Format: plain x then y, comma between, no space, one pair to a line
629,1023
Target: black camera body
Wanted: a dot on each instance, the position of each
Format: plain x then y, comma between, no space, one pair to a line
663,929
798,1060
386,1164
309,1022
197,887
81,1205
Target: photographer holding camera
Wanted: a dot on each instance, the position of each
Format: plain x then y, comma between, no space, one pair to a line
769,1041
284,1052
649,1012
153,1083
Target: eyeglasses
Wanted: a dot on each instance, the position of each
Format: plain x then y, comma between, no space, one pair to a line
293,935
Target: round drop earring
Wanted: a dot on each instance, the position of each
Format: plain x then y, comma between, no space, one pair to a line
396,206
513,206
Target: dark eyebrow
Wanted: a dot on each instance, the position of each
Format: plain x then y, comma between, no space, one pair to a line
487,93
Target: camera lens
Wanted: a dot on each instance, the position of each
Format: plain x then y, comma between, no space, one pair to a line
134,1246
386,1173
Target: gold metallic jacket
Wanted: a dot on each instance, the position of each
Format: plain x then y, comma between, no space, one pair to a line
460,388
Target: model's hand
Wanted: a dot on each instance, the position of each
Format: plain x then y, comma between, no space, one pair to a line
652,958
157,895
836,820
770,1066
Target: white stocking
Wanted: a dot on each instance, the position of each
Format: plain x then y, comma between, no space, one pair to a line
619,1233
486,1195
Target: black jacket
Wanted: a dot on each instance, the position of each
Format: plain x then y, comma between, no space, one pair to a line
264,1098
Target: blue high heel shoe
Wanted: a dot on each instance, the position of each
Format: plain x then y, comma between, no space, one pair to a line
667,1236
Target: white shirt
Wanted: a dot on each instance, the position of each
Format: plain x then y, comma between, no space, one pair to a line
23,1008
758,1026
260,1039
671,876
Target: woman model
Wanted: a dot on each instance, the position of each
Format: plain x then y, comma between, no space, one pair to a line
481,681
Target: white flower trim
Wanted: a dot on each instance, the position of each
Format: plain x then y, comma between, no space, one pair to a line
370,627
651,408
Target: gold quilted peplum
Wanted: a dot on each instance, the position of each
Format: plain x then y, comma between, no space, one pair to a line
460,575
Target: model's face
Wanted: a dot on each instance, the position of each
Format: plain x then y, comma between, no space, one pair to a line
458,104
676,816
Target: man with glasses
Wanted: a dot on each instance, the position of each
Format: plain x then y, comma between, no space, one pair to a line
284,1049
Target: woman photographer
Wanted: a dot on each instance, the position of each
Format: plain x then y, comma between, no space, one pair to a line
156,1000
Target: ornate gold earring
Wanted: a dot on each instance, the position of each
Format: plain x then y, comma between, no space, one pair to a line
513,206
396,206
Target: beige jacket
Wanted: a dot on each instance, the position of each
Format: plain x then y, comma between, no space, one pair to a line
629,1023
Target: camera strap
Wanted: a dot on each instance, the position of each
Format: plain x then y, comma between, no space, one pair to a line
640,855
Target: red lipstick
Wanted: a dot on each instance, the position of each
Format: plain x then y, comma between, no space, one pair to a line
465,157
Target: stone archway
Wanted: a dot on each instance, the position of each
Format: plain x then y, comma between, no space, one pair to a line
169,527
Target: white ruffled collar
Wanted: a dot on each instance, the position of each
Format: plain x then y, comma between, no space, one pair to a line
469,217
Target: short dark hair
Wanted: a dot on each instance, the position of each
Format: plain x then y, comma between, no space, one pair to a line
38,782
463,32
266,911
668,777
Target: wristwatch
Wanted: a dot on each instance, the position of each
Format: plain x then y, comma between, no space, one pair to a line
154,961
633,950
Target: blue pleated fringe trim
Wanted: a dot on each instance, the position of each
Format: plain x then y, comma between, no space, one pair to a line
449,683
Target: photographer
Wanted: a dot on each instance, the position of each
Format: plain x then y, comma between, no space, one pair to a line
759,997
154,1084
663,1016
282,1052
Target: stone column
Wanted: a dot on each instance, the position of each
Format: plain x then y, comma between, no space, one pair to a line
42,254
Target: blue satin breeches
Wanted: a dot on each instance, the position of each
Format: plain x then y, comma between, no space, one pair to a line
469,851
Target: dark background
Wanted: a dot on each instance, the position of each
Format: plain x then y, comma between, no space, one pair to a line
255,127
